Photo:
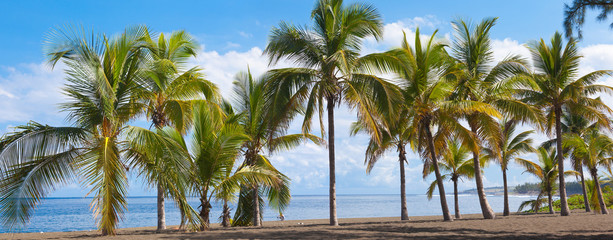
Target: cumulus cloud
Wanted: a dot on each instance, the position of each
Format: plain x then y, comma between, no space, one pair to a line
508,47
596,57
393,33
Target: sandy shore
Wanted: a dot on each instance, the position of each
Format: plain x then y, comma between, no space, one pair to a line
580,225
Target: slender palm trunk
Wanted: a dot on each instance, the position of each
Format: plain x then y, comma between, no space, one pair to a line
225,222
486,210
603,206
506,211
256,207
564,210
586,202
333,219
550,201
404,213
161,209
160,198
437,172
455,198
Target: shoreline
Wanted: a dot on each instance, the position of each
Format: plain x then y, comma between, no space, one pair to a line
517,226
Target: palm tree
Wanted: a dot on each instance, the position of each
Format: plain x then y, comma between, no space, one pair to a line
168,92
545,170
330,69
481,81
506,150
253,103
574,16
395,135
457,164
534,205
102,93
555,85
421,74
216,142
594,149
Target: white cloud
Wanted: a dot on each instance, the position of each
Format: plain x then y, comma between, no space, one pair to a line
596,57
221,68
508,47
30,92
6,94
393,36
244,34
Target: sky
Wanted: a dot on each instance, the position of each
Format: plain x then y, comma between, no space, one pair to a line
232,35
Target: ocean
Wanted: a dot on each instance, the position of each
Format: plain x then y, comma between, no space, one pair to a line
74,214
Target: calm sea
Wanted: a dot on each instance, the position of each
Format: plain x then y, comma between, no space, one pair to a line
74,214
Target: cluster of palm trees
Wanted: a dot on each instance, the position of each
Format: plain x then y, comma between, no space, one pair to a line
451,103
192,147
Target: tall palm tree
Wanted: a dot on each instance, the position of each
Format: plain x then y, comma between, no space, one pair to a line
330,69
457,164
102,92
545,170
506,150
254,104
482,80
168,91
594,149
555,85
574,15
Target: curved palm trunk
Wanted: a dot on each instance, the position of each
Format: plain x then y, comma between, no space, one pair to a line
506,211
537,206
455,198
603,206
586,202
256,207
564,210
182,225
439,180
333,218
404,213
487,211
161,209
225,222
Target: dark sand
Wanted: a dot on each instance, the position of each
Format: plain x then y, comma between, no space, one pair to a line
580,225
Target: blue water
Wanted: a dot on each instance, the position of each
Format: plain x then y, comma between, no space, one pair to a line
74,214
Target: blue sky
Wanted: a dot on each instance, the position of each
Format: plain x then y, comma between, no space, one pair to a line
233,34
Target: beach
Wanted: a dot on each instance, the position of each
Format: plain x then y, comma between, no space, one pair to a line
580,225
